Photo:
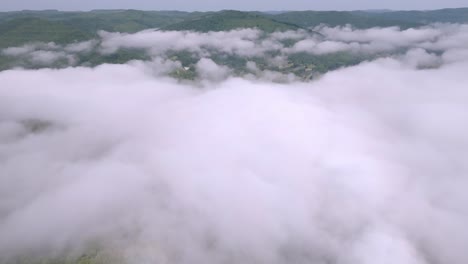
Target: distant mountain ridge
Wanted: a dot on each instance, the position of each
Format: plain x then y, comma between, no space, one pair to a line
340,18
447,15
232,19
20,27
19,31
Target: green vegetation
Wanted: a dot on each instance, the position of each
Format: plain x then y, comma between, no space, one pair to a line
340,18
185,57
126,20
18,28
19,31
229,19
449,15
109,20
188,73
23,27
122,56
301,63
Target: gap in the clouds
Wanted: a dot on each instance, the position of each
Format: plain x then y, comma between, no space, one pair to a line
301,55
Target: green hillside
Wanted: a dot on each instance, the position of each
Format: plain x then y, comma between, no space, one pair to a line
229,19
110,20
19,31
339,18
126,20
449,15
21,27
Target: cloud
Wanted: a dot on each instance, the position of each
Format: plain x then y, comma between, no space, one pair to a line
392,35
323,47
440,40
455,55
81,47
49,57
240,42
375,40
209,70
344,169
17,51
28,48
421,58
249,167
47,54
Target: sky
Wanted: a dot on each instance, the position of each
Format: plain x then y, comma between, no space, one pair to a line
204,5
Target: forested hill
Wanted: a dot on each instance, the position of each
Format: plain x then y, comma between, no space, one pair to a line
231,19
339,18
51,25
19,31
54,30
449,15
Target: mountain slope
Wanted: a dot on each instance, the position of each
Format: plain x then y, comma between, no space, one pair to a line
126,20
339,18
228,20
449,15
19,31
109,20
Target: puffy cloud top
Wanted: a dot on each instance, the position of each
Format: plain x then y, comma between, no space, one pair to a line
365,164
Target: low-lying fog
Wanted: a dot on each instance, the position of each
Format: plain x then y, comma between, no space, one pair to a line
367,164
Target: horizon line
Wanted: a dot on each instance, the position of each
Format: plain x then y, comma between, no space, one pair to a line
228,9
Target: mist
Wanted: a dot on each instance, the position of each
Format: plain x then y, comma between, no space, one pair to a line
251,53
364,164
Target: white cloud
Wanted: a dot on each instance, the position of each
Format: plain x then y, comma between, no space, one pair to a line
18,51
319,47
249,43
374,40
50,57
81,47
392,35
421,58
455,55
241,42
290,34
346,168
209,70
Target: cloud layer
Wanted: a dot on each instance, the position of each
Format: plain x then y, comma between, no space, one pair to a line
445,43
366,164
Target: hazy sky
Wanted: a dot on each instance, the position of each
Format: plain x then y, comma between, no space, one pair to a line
203,5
